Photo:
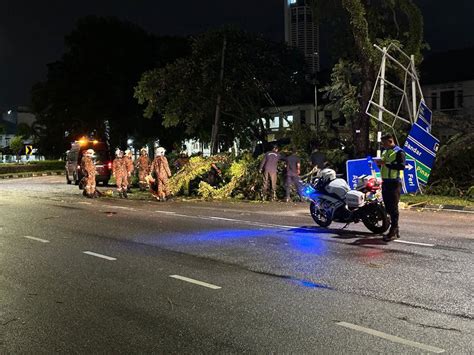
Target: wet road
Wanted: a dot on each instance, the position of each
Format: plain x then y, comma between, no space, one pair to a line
110,275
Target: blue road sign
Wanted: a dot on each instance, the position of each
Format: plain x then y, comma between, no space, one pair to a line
359,167
410,180
422,147
424,117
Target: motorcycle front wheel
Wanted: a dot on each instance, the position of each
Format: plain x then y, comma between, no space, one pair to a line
376,219
320,215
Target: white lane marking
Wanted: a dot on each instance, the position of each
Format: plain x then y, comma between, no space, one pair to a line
197,282
85,203
99,255
37,239
166,212
393,338
122,208
414,243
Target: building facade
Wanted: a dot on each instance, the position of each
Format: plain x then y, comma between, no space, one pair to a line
302,32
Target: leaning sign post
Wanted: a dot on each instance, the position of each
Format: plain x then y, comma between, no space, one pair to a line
421,146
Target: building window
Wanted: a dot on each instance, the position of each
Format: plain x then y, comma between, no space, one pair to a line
447,100
288,121
460,99
275,122
302,117
434,100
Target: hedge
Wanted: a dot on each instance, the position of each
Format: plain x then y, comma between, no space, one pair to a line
31,167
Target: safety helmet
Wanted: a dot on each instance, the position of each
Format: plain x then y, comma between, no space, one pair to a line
160,151
118,153
143,151
90,152
128,153
328,174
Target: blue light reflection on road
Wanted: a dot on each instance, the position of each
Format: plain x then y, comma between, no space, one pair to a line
296,241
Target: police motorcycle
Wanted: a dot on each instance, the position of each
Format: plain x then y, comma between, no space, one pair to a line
332,200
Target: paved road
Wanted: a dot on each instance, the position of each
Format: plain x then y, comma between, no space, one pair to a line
110,276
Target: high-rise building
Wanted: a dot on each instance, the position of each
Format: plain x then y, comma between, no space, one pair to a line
302,32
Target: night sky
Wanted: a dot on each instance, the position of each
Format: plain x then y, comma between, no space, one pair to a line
32,31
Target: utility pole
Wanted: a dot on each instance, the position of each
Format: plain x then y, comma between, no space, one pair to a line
215,127
381,100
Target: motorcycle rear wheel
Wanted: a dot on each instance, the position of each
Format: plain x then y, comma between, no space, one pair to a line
376,219
320,216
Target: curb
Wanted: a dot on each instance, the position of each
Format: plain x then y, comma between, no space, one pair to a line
447,208
28,175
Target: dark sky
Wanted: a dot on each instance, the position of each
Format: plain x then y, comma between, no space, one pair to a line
32,31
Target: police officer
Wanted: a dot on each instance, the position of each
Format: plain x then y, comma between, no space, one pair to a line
143,166
89,171
391,165
269,168
119,170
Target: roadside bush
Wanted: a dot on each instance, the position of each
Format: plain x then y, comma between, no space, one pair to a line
31,167
453,172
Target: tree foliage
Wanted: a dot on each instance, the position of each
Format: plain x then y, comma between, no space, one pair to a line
93,83
256,69
369,22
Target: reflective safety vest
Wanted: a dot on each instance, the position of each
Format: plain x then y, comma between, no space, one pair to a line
389,157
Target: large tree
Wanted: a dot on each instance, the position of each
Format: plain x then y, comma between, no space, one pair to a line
93,83
257,73
368,22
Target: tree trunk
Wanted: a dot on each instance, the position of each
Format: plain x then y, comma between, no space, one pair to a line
361,125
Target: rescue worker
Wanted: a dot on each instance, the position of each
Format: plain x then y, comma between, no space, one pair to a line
269,168
129,165
119,171
89,171
161,169
293,169
391,166
143,166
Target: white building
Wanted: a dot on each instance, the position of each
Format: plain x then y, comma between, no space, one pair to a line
448,87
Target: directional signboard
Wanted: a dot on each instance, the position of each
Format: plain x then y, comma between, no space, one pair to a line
359,167
410,180
424,117
422,147
28,149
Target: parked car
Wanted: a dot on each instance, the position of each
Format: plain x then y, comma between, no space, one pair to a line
102,159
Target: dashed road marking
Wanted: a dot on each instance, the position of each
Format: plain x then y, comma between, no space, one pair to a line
414,243
99,255
37,239
197,282
392,338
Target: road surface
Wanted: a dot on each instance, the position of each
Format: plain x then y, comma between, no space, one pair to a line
129,276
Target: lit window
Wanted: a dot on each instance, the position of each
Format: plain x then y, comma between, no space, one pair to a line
275,122
288,121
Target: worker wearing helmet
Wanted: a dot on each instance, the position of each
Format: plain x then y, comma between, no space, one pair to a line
129,164
162,171
119,171
89,172
143,166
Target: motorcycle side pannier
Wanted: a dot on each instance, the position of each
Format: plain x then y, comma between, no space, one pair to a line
355,198
338,187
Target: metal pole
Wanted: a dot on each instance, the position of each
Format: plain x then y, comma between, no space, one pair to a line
381,94
215,128
413,88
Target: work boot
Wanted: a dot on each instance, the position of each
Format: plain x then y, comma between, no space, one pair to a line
125,194
274,197
392,234
120,194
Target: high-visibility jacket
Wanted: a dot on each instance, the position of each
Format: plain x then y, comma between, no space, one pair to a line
394,159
